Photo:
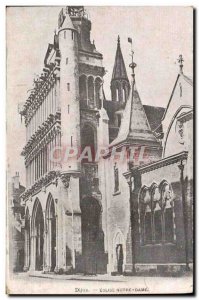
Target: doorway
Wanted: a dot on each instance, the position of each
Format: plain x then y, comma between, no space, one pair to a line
94,258
120,258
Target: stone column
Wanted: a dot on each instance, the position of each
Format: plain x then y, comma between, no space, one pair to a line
57,238
185,214
33,253
27,252
44,245
94,91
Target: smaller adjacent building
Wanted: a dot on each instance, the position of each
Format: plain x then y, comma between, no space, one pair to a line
16,220
161,192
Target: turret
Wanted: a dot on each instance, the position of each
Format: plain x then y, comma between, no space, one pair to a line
119,84
69,90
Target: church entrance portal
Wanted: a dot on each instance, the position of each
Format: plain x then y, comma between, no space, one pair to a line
94,258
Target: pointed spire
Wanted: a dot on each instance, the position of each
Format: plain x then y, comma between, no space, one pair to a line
119,70
120,83
134,127
65,20
180,61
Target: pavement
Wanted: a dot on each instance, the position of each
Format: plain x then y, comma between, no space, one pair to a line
99,277
39,283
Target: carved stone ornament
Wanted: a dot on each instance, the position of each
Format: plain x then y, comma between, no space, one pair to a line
180,131
65,178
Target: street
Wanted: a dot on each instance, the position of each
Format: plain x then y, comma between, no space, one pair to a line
23,283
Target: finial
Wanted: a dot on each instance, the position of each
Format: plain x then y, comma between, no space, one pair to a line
133,64
180,61
118,40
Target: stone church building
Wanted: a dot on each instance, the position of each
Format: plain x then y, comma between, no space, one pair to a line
132,207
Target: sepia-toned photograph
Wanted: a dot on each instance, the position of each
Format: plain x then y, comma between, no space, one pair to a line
99,130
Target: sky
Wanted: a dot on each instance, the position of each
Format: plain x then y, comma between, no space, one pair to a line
159,35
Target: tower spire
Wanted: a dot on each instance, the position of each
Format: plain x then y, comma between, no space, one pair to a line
180,61
120,83
135,128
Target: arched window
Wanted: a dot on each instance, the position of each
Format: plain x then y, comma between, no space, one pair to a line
91,91
123,95
51,234
82,87
157,214
117,94
146,216
167,203
38,232
125,89
148,225
98,86
119,252
88,139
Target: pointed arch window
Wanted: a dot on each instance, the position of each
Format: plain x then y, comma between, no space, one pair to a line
91,94
146,216
123,95
157,214
148,225
83,87
168,213
117,94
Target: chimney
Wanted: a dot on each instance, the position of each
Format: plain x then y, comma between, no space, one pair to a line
16,180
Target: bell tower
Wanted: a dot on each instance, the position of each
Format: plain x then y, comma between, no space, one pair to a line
120,83
91,70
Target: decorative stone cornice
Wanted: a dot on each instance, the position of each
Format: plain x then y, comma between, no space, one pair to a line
38,185
91,70
48,129
162,162
51,177
184,117
41,89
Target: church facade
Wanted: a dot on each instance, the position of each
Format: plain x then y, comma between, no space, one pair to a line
108,182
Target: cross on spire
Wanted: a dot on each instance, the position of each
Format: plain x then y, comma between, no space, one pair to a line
180,61
133,64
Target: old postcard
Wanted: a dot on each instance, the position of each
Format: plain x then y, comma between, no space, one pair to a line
100,150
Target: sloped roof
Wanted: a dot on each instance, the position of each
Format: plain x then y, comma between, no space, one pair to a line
134,124
154,113
119,69
187,80
67,22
